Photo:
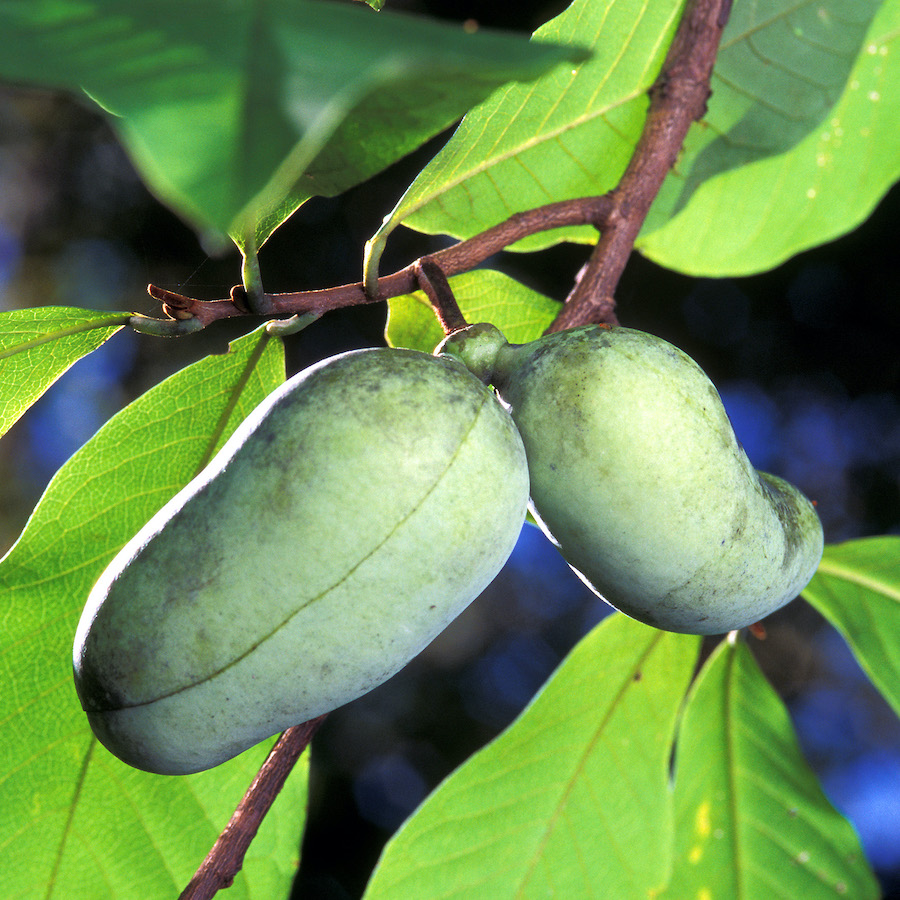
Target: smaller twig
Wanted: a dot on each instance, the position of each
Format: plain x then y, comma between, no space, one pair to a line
461,257
226,857
433,282
465,255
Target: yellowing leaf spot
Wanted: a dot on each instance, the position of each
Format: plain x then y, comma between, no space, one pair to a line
696,854
704,894
702,820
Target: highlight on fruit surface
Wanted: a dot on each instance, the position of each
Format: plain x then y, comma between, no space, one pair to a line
638,478
356,512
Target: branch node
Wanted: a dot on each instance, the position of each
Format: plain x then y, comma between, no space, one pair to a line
239,299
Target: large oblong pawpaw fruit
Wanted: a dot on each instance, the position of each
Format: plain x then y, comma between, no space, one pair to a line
349,519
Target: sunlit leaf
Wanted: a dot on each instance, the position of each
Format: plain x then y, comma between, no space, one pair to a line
484,295
800,142
857,588
236,113
74,821
797,147
567,134
572,800
751,818
38,345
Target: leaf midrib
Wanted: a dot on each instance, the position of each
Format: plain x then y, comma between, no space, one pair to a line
120,320
627,682
860,579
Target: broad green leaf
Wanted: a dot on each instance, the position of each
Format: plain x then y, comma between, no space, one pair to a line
800,142
235,113
751,818
797,147
38,345
857,588
74,821
568,134
484,295
572,800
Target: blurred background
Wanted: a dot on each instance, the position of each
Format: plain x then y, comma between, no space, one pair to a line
805,358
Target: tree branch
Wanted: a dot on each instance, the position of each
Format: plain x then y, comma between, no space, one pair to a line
460,257
226,857
677,99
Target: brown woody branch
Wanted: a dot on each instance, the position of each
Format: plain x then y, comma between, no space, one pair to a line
461,257
226,857
677,98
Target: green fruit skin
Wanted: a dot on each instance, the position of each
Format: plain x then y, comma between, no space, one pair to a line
350,518
637,476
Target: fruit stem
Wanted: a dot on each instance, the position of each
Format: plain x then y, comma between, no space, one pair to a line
433,282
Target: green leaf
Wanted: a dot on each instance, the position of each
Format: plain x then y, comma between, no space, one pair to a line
751,818
38,345
235,113
568,134
799,144
857,588
484,295
74,821
572,800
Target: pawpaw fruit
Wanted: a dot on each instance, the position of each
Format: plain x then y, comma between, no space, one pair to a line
347,521
638,478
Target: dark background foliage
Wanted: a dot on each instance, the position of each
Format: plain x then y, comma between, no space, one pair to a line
805,358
